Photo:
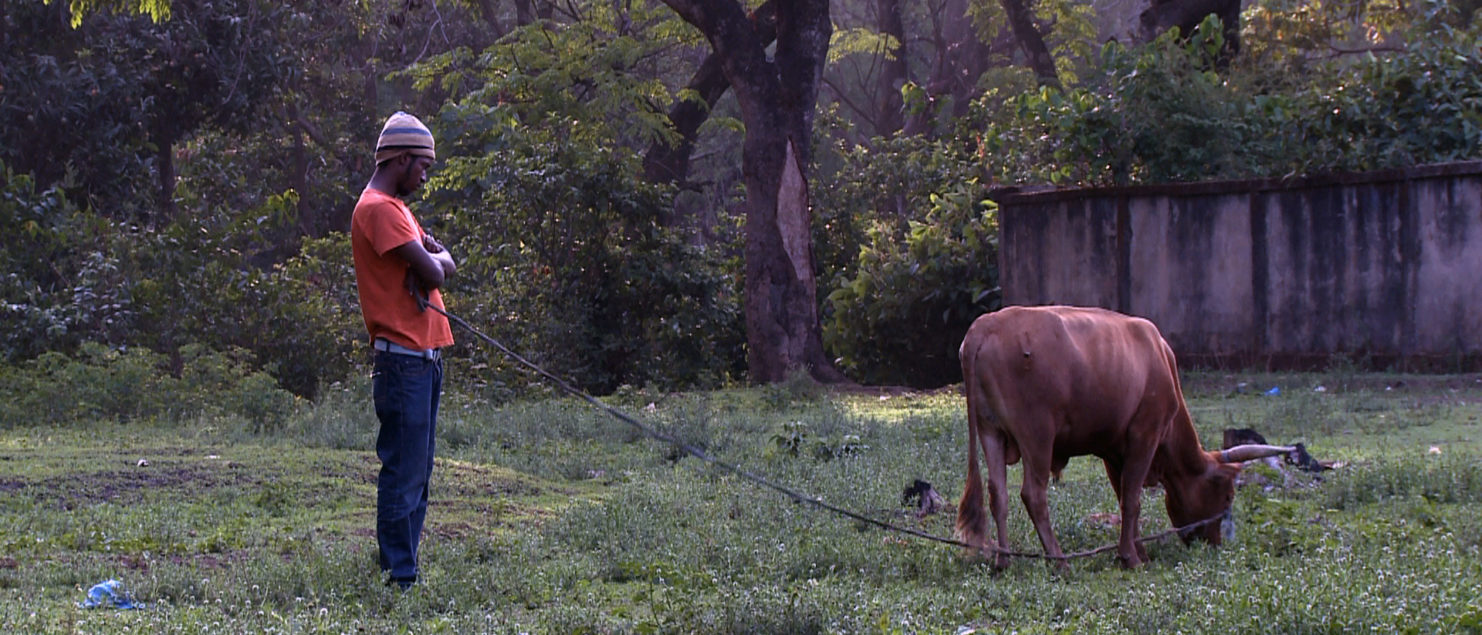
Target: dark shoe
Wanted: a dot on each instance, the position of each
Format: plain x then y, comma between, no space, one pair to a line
401,583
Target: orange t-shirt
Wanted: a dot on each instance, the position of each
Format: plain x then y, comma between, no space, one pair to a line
382,222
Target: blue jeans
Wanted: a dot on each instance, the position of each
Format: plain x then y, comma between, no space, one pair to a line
406,390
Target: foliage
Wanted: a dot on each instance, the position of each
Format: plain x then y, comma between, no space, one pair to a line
914,217
1421,107
108,101
74,277
562,250
60,284
1157,114
1069,30
860,41
560,237
900,318
590,78
157,10
1162,113
266,112
131,384
1293,36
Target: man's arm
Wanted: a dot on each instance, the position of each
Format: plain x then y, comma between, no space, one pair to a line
428,269
439,254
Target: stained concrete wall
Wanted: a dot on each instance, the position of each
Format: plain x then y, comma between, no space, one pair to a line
1385,267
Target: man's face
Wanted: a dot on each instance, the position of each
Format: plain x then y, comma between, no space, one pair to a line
414,174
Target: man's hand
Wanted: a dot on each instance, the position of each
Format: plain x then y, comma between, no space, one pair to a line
413,285
429,269
446,262
439,254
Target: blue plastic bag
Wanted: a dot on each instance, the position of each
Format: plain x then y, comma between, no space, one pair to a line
109,594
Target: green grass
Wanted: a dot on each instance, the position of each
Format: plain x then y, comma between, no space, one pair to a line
551,517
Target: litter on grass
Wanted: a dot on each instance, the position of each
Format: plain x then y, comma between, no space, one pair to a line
109,594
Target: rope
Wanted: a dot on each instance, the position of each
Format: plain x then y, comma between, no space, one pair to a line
759,480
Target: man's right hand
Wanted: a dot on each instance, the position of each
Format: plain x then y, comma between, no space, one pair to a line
445,260
429,269
440,254
414,287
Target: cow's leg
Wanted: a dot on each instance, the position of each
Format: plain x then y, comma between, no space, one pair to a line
1134,472
1036,499
994,457
1114,474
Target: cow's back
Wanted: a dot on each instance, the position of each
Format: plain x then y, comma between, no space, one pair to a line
1086,371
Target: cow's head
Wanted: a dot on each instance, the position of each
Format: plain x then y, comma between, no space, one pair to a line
1209,496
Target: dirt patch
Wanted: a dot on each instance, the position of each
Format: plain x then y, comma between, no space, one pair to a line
124,486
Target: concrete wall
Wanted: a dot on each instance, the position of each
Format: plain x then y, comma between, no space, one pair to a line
1383,267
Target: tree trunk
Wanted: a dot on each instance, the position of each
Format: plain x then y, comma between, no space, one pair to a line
165,166
777,97
665,163
524,13
1021,21
893,75
960,59
489,11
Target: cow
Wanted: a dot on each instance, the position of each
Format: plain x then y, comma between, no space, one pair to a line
1047,383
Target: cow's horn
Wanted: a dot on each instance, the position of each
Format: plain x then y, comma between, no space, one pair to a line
1242,453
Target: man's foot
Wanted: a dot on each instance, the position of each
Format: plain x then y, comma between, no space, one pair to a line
401,583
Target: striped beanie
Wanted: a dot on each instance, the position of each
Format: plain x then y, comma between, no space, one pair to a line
403,134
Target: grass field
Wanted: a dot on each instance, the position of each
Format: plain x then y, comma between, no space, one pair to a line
551,517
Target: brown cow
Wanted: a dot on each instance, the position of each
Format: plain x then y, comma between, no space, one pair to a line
1049,383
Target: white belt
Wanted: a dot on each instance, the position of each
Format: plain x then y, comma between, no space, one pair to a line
383,344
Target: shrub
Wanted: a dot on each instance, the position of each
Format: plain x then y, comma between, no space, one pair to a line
900,319
128,384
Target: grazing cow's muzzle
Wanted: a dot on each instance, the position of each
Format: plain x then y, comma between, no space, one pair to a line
1213,531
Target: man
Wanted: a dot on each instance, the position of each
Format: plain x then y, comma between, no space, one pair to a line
395,264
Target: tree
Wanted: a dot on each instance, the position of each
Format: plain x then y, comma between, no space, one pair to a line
894,72
777,96
110,100
1031,41
667,162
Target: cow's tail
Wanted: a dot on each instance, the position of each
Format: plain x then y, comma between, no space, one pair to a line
972,522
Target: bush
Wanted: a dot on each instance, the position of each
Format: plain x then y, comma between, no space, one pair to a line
129,384
906,230
900,319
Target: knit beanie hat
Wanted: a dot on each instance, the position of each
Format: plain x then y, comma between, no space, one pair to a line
403,134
